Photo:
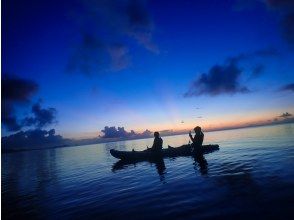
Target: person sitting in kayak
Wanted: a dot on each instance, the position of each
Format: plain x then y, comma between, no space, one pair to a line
157,143
197,140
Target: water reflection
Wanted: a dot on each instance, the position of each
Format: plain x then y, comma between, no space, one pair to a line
30,176
159,164
201,162
251,176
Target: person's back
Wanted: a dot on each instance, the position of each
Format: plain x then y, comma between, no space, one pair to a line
157,143
197,140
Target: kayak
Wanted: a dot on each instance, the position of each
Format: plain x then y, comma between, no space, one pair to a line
184,150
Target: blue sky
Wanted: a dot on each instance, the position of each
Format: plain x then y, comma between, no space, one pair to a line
129,63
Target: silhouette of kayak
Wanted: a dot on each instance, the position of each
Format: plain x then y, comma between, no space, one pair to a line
184,150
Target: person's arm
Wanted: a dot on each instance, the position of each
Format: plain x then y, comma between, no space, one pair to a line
190,135
202,134
153,144
160,143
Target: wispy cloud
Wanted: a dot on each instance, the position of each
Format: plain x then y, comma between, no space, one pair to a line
257,70
286,11
287,87
107,28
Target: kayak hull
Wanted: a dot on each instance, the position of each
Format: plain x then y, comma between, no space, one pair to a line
150,155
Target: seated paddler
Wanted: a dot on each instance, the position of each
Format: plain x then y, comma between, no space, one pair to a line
197,140
157,143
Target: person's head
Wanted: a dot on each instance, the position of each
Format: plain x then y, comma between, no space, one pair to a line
197,129
156,134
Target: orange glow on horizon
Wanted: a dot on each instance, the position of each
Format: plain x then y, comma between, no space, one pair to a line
173,121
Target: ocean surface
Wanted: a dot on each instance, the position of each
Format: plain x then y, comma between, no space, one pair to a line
250,177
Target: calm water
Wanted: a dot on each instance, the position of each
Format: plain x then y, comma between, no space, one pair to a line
251,176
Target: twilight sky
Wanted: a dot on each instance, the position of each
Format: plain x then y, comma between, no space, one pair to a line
80,65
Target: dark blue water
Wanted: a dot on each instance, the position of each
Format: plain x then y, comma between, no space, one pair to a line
251,176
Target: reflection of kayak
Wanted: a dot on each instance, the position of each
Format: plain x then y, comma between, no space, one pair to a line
122,164
148,154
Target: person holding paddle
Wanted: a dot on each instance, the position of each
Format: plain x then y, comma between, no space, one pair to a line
197,140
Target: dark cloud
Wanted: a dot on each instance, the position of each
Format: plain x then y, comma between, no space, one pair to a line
288,28
226,78
41,117
112,132
32,139
88,56
262,53
266,52
15,91
107,28
220,79
285,115
257,70
281,4
286,11
240,5
9,119
140,25
288,87
119,55
120,132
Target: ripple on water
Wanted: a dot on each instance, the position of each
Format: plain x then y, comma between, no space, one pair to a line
250,176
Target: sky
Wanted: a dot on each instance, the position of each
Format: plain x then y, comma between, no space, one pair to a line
78,66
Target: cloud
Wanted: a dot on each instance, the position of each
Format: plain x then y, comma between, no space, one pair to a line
9,120
286,11
140,26
119,57
266,52
240,5
288,87
30,139
220,79
18,91
285,115
41,117
112,132
226,78
257,70
120,132
107,29
288,28
15,91
262,53
88,56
